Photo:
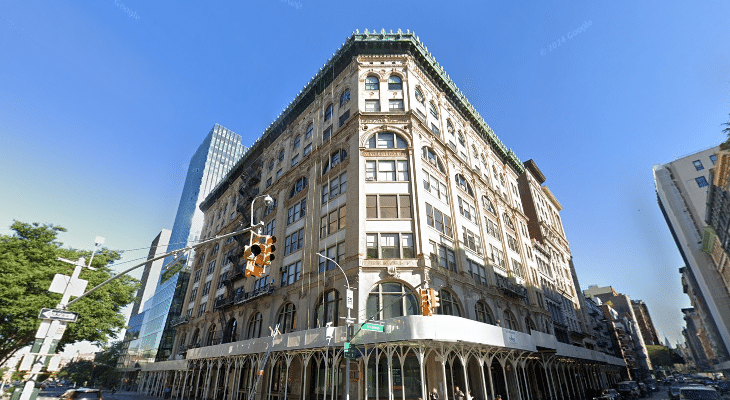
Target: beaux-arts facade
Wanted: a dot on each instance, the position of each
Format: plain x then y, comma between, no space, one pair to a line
381,164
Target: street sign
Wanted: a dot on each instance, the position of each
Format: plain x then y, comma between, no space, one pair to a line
59,315
64,283
373,327
349,298
349,352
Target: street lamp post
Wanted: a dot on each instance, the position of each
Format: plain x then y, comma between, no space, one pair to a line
267,200
348,321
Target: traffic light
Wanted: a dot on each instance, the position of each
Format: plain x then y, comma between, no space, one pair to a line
269,249
259,254
433,297
425,305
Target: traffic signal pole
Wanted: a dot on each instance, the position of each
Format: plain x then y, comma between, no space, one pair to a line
54,321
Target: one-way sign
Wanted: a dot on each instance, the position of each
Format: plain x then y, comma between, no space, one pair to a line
60,315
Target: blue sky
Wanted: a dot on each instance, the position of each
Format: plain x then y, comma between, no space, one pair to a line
102,104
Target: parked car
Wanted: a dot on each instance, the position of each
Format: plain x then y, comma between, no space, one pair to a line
697,392
82,393
723,386
628,389
643,390
608,394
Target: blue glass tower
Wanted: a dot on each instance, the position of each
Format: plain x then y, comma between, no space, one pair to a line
215,157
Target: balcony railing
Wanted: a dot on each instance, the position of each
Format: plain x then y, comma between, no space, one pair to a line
240,296
180,320
511,288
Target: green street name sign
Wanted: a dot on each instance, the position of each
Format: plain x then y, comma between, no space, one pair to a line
373,327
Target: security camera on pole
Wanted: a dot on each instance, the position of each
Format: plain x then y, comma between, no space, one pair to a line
54,322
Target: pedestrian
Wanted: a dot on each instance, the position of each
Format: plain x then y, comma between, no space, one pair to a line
458,394
499,397
433,395
471,395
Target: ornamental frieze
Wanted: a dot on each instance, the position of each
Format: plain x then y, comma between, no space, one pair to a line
384,153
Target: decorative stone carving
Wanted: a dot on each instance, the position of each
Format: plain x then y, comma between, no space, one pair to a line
393,271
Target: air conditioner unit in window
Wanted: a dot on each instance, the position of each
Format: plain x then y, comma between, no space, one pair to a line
283,269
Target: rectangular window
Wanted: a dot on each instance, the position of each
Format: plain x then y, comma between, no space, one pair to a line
222,279
344,117
698,165
438,220
197,274
435,187
370,170
261,282
389,245
466,210
435,130
193,294
294,242
334,188
517,268
471,241
498,258
307,150
201,309
389,206
268,182
395,105
492,228
296,212
295,160
387,171
206,288
211,268
327,133
512,243
713,159
477,271
701,181
372,105
270,228
444,256
333,222
278,173
291,273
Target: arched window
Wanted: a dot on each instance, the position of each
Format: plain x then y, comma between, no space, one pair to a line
254,326
462,183
287,318
281,156
386,140
328,112
430,156
372,83
390,294
462,140
271,164
327,309
530,325
509,321
508,221
419,95
297,142
309,131
434,111
230,334
210,339
488,205
484,314
395,83
299,185
195,341
449,305
344,97
335,158
449,126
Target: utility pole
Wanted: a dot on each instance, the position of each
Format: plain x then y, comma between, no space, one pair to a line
54,322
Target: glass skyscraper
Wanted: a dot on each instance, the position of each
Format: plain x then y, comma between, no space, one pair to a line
220,151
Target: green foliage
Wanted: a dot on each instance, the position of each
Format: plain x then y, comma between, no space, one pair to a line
102,372
28,262
662,356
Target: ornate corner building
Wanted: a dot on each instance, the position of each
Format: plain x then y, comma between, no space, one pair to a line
382,165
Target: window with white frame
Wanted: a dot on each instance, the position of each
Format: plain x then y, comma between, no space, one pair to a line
435,130
333,222
296,211
471,240
444,256
477,271
433,110
294,242
438,220
467,210
334,160
492,229
335,187
437,188
487,204
395,83
298,186
386,140
395,105
372,83
372,105
390,300
291,273
419,94
388,206
463,184
336,252
508,221
517,268
389,245
386,170
430,156
498,258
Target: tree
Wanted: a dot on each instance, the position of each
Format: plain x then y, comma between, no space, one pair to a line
101,372
663,356
28,262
